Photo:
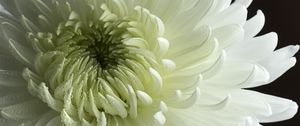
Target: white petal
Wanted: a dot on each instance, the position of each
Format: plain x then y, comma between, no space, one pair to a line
26,110
23,54
240,75
144,98
198,116
261,77
187,41
253,106
217,106
287,114
282,109
138,42
182,82
102,120
194,55
11,78
157,82
9,63
6,122
174,120
163,46
189,101
220,5
118,106
67,120
48,98
11,31
280,61
165,9
254,25
14,98
20,7
246,3
254,49
235,14
46,118
249,121
229,34
160,119
283,53
168,65
132,102
56,121
187,20
216,67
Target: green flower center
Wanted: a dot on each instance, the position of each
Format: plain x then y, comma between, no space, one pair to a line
103,65
101,68
102,44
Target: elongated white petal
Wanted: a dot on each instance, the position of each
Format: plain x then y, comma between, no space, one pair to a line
11,31
287,114
188,102
11,78
156,80
255,49
11,99
6,122
241,75
144,98
253,106
54,122
235,14
281,109
280,61
159,119
67,120
229,35
246,3
26,110
219,105
187,20
9,63
23,54
254,25
46,118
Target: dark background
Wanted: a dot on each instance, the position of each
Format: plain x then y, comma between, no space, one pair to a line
283,17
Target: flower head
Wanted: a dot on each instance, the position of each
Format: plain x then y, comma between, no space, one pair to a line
138,63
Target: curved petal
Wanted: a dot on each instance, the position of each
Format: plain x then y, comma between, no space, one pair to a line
280,108
240,75
26,110
254,25
5,122
234,14
229,35
254,49
280,61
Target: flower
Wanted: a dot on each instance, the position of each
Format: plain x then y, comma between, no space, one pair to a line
138,63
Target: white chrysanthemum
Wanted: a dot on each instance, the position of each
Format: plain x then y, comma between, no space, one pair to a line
138,63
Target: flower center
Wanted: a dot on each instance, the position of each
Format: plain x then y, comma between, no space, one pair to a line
105,49
102,44
85,70
98,68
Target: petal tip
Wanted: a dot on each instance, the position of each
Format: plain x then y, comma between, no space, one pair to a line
296,48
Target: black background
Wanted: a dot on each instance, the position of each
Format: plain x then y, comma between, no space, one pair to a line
283,17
